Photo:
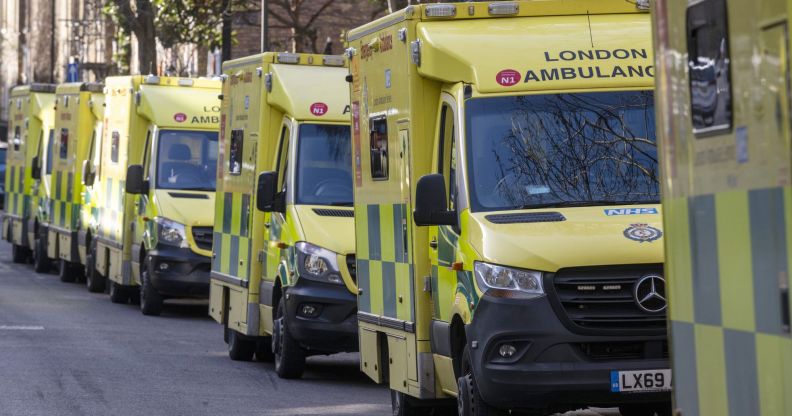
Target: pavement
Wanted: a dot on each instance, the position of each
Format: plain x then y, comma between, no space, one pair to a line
65,351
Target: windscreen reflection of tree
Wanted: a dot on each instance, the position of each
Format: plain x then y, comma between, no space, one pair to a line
338,148
577,147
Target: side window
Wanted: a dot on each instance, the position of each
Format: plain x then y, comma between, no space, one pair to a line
17,138
378,146
283,156
235,153
709,66
64,143
50,145
447,152
146,153
115,139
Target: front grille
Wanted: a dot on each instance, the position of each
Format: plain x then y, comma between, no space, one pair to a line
608,351
352,266
203,237
601,298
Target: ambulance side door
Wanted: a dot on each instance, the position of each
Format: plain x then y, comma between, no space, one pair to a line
443,239
277,220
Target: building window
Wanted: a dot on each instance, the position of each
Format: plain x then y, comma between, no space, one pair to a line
114,144
378,143
235,153
709,66
64,144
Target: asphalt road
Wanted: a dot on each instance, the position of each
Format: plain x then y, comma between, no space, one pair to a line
64,351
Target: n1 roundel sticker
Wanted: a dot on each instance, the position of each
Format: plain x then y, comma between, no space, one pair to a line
318,109
508,77
180,117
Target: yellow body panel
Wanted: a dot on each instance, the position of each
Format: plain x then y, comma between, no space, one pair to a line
724,109
31,123
265,103
405,68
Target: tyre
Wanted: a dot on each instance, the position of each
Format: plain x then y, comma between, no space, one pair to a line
240,348
150,299
65,272
469,401
264,352
289,355
41,264
402,405
646,409
94,281
118,293
19,254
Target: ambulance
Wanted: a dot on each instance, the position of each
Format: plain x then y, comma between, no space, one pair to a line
154,189
283,279
508,230
75,120
28,166
725,134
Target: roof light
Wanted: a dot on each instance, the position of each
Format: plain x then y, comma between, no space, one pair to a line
333,60
186,82
288,58
441,10
151,79
642,5
503,9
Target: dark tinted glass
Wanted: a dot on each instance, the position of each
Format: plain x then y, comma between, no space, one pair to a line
187,160
324,165
561,150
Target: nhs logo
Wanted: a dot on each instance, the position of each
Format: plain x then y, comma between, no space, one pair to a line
630,211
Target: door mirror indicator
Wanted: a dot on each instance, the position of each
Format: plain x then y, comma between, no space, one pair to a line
431,204
135,184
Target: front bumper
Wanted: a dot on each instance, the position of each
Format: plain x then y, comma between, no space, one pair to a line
333,326
553,367
179,272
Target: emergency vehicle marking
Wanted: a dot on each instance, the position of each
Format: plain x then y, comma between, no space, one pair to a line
630,211
590,71
642,233
180,117
508,77
319,109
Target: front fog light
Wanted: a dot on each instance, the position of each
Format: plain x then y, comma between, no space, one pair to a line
507,350
164,266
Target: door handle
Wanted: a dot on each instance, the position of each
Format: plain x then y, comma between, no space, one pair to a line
433,244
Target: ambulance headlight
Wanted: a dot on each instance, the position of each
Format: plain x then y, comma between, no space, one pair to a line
492,276
317,263
171,233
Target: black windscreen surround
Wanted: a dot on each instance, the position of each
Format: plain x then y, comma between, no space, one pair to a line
709,67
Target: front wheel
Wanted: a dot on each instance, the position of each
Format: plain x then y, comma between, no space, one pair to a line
401,405
150,299
118,293
41,263
469,401
239,347
289,355
65,272
93,279
264,352
19,254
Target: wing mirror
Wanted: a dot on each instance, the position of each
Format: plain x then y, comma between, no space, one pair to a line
431,205
268,199
135,184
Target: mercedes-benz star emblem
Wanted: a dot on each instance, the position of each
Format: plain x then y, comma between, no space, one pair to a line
649,293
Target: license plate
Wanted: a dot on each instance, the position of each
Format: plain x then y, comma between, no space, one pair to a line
640,381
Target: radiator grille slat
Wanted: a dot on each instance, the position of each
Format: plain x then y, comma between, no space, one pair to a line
203,237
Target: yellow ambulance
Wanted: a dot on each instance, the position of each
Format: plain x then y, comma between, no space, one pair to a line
71,145
723,89
509,238
282,284
28,165
89,202
155,189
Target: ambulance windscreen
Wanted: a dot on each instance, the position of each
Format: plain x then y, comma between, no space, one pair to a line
324,165
562,150
187,160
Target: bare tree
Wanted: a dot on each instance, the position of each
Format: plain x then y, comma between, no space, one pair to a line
140,22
